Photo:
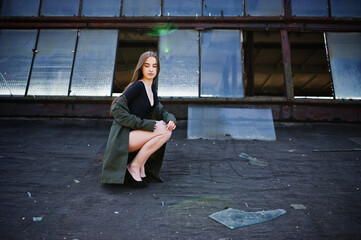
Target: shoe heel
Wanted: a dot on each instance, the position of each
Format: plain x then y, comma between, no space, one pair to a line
130,181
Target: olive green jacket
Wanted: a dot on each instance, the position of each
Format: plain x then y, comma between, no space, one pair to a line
116,153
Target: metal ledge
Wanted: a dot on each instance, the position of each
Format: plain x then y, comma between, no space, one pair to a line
198,23
171,100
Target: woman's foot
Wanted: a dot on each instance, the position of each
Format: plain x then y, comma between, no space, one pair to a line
135,173
142,172
129,180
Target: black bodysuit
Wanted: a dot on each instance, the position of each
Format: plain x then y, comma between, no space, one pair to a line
138,101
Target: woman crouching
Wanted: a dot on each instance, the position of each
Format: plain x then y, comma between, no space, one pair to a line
141,127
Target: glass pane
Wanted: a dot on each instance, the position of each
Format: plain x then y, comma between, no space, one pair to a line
106,8
234,218
345,59
345,8
310,73
310,8
221,65
53,62
20,7
223,8
141,8
182,8
15,60
94,63
226,122
59,8
179,62
264,7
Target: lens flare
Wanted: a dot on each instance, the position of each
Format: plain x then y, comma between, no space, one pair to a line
162,29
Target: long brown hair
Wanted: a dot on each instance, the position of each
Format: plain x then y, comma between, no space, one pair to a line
138,74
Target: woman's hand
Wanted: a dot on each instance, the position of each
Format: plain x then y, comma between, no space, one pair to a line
159,124
171,125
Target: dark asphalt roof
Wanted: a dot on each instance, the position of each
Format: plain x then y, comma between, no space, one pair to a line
51,169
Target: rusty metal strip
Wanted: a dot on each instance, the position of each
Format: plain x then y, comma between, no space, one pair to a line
286,52
197,26
287,8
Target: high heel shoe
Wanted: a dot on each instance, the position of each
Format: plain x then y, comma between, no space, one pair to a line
130,181
147,179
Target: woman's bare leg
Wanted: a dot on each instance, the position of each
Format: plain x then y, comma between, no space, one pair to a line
147,143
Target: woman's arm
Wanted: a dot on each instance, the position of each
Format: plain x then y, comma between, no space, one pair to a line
123,117
167,117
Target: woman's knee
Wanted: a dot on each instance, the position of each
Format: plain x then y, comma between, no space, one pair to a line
166,134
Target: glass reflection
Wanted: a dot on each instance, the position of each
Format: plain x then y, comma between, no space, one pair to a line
223,8
53,62
345,59
94,63
15,60
59,8
19,7
108,8
179,61
345,8
141,8
264,7
310,8
226,122
182,8
221,66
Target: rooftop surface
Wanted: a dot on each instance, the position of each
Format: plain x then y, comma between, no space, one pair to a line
50,184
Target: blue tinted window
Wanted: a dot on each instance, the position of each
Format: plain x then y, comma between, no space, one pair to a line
15,60
225,8
53,62
310,8
182,8
59,8
179,61
105,8
20,7
141,8
226,122
346,8
221,65
94,63
345,59
264,7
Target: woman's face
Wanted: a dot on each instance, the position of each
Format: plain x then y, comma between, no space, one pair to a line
150,68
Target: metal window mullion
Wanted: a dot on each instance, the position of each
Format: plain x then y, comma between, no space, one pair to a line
241,40
161,8
329,63
32,62
72,66
287,8
80,9
199,64
249,64
121,8
115,64
39,7
244,8
286,54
